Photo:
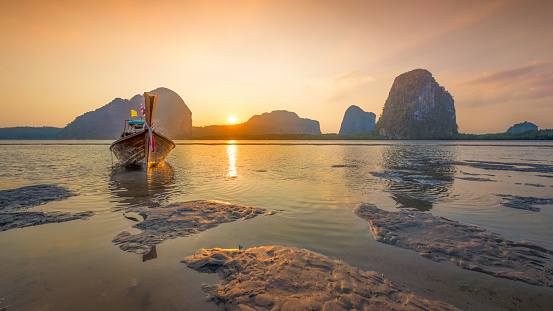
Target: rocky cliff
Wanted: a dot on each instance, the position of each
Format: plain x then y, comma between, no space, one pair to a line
357,121
417,108
522,127
173,118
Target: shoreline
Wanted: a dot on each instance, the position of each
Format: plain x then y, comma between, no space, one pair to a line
536,135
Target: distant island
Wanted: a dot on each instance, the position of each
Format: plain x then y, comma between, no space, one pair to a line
331,136
522,127
528,135
357,121
417,108
173,118
278,122
27,132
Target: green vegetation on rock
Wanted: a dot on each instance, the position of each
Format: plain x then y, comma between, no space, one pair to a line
371,136
27,132
528,135
522,127
417,108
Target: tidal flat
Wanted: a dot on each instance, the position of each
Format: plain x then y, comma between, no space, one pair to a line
303,196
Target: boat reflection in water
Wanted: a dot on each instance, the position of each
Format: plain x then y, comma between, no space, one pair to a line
150,187
417,176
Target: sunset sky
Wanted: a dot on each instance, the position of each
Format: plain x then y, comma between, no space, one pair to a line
60,59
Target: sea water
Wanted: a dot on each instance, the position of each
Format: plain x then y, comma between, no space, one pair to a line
313,186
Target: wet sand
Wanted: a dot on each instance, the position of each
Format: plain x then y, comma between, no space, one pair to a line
507,166
178,220
524,203
467,246
14,202
29,196
15,220
281,278
3,308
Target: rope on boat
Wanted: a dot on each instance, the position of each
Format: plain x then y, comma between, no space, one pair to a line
152,142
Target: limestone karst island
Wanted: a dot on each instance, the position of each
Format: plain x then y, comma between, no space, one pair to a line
417,108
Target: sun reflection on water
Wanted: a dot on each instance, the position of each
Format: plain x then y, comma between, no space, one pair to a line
232,173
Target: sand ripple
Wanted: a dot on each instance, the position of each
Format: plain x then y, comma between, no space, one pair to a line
281,278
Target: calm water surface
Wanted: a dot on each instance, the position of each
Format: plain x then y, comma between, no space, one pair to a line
315,185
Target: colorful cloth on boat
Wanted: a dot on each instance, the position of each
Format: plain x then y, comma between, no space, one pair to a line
152,142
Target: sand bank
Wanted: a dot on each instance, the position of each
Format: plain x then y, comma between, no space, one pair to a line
476,179
525,203
13,201
180,219
29,196
26,219
506,166
467,246
281,278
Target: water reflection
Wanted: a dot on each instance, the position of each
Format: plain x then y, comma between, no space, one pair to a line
417,176
355,166
232,172
139,187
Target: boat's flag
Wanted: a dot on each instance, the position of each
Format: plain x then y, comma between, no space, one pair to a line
142,110
133,113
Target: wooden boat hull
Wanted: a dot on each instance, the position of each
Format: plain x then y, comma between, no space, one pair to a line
136,150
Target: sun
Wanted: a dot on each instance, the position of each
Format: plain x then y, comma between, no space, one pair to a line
232,119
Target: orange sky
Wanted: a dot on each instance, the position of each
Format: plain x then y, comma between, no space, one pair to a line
60,59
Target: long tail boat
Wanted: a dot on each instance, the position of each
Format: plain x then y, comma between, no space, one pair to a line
140,144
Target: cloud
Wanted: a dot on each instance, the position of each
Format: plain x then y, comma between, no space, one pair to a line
353,78
342,86
517,74
531,82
